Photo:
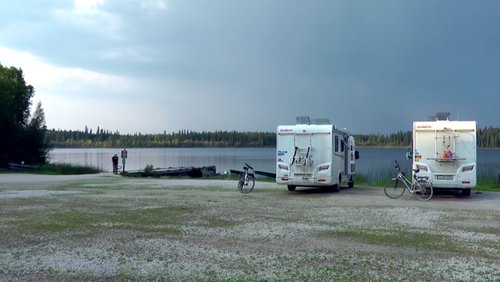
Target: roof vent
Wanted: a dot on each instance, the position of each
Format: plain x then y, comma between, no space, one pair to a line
443,116
303,120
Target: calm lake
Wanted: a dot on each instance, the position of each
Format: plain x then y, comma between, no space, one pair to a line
373,162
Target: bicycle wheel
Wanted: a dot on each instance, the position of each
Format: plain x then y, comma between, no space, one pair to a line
394,188
422,189
248,187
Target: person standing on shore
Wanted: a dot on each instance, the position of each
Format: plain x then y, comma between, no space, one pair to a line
114,159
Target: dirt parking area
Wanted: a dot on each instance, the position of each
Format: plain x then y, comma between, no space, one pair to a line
105,227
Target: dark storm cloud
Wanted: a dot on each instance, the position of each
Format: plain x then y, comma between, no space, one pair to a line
371,66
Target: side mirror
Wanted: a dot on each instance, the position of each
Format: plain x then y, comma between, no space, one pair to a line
356,155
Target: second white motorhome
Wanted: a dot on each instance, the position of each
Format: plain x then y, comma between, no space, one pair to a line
314,153
445,152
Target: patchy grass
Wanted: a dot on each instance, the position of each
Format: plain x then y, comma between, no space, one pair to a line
64,169
118,228
400,238
161,219
488,184
56,169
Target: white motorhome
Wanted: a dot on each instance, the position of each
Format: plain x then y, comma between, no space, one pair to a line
445,152
314,153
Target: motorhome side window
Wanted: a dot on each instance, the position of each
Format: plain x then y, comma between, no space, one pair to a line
342,146
336,143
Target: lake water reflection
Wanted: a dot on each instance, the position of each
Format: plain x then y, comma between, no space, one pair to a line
373,162
223,158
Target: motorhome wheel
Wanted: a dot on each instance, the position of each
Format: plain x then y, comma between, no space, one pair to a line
466,192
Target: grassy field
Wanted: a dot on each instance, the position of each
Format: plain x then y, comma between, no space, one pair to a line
114,228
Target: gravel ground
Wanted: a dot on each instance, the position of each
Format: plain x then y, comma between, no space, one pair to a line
105,227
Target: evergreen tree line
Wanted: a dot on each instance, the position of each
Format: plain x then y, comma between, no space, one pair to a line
183,138
22,134
487,138
398,139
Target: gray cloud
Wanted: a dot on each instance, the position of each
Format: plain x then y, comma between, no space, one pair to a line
251,65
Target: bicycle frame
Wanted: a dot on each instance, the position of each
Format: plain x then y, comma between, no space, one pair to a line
245,175
401,177
248,170
410,185
405,181
420,187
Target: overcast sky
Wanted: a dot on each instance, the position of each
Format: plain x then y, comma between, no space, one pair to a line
154,65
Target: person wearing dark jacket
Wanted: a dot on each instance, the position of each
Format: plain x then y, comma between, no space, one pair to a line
114,159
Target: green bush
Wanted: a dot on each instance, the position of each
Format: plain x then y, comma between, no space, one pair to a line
149,169
64,169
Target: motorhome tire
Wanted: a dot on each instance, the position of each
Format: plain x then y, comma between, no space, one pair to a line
466,192
291,188
350,184
335,188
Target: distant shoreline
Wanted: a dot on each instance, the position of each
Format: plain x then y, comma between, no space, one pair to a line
487,138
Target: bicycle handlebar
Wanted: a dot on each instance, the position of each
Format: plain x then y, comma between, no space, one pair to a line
248,166
397,166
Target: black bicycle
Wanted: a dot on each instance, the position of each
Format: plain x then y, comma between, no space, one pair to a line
247,179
